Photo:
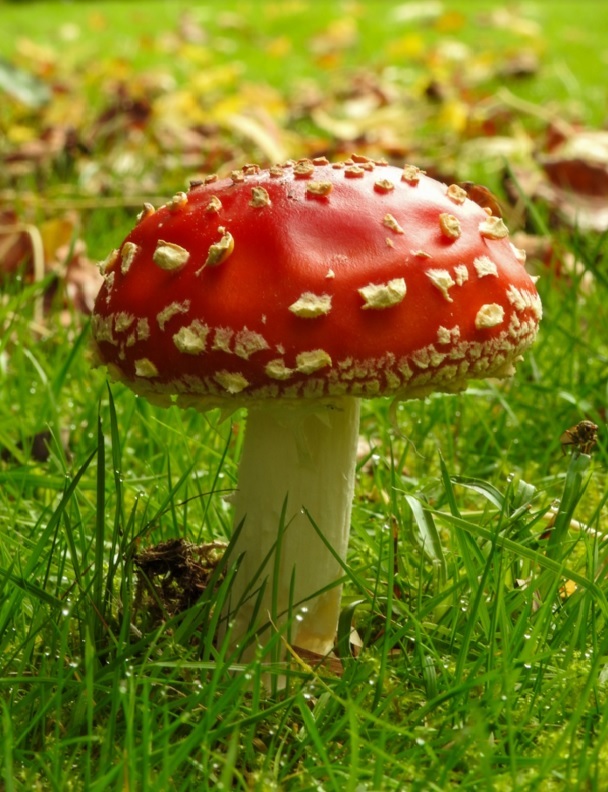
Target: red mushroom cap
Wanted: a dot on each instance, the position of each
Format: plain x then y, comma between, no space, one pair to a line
313,280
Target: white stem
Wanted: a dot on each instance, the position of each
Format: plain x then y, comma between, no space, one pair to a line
294,459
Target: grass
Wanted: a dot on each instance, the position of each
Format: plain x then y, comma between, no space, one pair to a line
484,644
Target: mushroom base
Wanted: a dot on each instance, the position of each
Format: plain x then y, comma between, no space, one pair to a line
297,468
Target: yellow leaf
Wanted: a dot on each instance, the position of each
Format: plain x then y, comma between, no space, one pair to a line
568,589
454,115
411,46
55,234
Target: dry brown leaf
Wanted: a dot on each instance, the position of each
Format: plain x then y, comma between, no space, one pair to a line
575,181
578,175
15,244
81,278
52,246
589,213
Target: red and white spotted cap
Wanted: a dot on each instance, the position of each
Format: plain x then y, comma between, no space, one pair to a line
313,280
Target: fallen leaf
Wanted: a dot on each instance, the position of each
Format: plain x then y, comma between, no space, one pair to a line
51,247
568,589
15,244
577,210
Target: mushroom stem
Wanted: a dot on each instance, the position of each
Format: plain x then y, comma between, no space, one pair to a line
297,467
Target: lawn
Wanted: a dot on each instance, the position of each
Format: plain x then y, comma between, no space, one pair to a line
472,650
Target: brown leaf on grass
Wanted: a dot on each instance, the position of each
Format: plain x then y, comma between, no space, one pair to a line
575,182
80,277
53,246
77,278
578,175
589,213
15,244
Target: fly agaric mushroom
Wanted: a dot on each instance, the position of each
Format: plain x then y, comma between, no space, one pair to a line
295,292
